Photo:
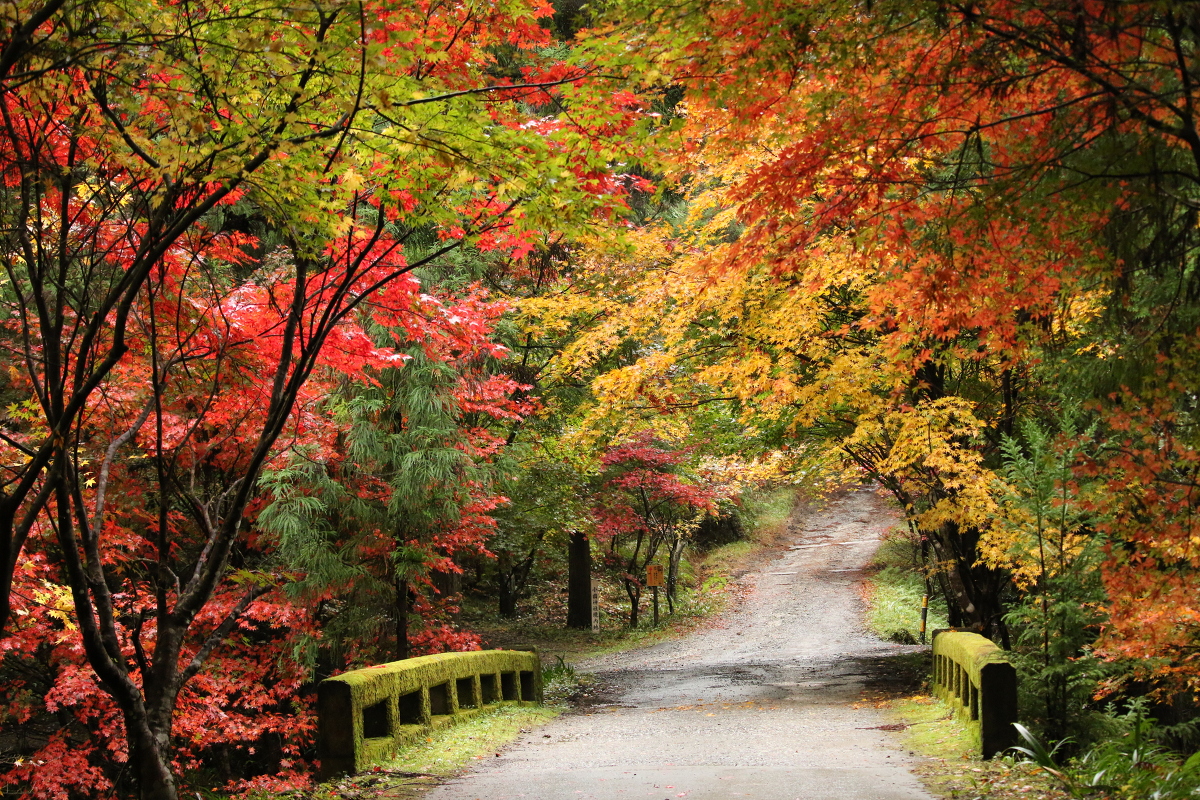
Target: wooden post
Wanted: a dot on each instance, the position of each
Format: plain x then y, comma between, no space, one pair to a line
654,579
579,583
595,606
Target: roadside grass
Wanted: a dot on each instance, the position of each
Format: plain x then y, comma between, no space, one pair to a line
443,754
480,737
728,558
949,768
893,592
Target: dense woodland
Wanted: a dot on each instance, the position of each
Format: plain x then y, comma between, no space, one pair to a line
315,316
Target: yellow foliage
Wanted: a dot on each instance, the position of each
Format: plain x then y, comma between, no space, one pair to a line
698,307
1027,546
58,603
929,450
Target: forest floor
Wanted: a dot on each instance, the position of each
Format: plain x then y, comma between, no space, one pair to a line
783,694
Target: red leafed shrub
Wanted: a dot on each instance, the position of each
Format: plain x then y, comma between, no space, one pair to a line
647,504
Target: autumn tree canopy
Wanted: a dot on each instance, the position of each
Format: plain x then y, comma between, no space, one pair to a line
902,228
266,267
212,217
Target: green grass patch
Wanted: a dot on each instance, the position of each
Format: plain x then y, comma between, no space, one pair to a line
723,560
894,593
894,606
950,768
767,512
449,750
445,752
932,728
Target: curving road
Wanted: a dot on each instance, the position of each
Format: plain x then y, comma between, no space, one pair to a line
758,705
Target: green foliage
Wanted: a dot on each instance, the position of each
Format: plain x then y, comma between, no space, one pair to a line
1037,753
1055,557
547,499
1127,766
894,609
559,670
381,513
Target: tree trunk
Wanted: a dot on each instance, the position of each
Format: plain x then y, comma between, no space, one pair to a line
974,596
676,554
635,598
401,619
447,585
155,781
148,737
506,589
512,577
506,595
579,581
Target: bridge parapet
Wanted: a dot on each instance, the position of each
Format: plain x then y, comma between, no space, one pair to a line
366,715
975,677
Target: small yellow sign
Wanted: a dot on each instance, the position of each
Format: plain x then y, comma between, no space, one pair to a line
654,575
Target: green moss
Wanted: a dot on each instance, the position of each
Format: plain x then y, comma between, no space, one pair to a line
412,673
969,650
974,676
437,754
366,715
447,751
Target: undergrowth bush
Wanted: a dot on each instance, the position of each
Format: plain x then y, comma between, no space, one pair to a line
1044,535
1130,765
559,682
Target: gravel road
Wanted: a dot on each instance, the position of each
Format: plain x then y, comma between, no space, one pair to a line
760,704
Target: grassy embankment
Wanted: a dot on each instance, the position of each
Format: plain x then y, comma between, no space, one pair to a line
709,585
927,727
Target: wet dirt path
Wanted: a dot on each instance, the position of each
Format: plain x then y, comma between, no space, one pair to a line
761,704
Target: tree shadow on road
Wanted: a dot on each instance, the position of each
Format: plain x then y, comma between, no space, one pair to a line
900,675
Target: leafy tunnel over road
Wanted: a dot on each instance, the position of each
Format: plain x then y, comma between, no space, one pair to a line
759,704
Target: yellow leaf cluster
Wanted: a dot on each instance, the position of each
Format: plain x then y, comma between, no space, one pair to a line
58,603
929,449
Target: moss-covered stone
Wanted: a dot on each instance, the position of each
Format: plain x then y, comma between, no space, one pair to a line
976,678
365,715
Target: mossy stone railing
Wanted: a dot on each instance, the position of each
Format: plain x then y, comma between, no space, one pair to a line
974,676
366,715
